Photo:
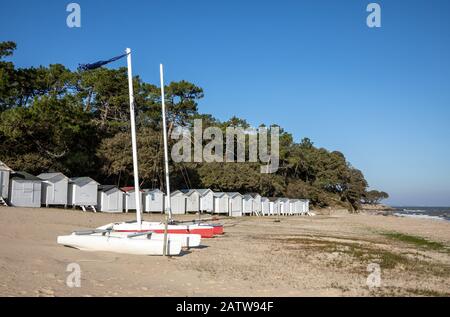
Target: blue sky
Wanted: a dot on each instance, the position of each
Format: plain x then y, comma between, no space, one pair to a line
381,96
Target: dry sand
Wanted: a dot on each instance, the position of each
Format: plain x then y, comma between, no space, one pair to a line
299,256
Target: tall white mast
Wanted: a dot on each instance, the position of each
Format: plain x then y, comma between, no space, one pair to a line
166,150
133,142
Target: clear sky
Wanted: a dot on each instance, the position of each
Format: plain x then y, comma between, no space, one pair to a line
380,95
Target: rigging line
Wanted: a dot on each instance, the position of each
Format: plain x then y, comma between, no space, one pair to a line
187,176
184,178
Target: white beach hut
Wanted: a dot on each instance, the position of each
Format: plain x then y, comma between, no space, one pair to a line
206,200
192,199
129,201
54,189
283,206
109,199
304,206
221,203
298,207
153,200
178,202
199,200
24,190
293,204
274,206
265,206
257,207
5,173
247,204
234,204
82,192
301,206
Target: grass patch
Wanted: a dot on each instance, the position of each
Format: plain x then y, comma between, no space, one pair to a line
427,292
417,241
397,291
364,254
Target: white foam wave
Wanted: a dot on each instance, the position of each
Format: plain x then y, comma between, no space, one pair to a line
419,216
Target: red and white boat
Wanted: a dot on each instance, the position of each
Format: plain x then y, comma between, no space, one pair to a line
205,231
217,227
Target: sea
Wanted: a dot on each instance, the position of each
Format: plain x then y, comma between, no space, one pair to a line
436,213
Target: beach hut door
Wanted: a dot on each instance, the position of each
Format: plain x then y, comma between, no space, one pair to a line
52,192
28,191
113,201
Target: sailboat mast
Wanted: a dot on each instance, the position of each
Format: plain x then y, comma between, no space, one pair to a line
166,150
133,142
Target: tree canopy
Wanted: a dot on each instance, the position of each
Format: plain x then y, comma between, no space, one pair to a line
374,196
55,119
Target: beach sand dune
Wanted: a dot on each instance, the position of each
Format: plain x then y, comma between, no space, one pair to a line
298,256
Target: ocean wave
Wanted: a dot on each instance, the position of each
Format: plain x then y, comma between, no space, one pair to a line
420,216
413,210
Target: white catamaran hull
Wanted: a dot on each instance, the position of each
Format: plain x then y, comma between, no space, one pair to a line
186,240
203,230
117,244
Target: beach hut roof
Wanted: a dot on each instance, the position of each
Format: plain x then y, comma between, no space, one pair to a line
273,199
106,188
233,194
53,177
247,196
219,194
189,192
254,195
203,191
24,176
82,180
4,167
177,192
264,198
127,188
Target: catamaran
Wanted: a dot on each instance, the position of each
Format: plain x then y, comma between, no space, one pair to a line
205,230
142,237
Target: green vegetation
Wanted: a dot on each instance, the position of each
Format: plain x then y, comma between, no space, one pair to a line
417,241
374,197
363,253
346,253
397,291
55,119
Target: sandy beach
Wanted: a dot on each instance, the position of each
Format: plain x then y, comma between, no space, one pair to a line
325,255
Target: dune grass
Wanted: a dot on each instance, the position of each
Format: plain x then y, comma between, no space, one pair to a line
417,241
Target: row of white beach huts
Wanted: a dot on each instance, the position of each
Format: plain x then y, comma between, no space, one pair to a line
21,189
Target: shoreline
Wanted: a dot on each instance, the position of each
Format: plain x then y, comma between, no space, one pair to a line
324,255
386,210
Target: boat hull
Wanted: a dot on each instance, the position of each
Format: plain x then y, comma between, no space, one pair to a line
119,244
217,229
186,240
158,227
